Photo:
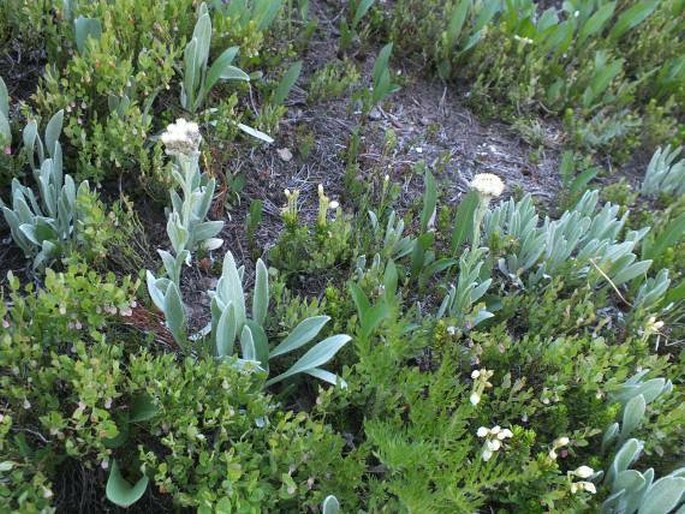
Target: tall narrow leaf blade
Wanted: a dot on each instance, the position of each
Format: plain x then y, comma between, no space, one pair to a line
318,355
301,335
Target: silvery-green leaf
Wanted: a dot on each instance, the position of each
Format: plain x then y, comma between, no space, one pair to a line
327,376
664,495
207,230
174,313
232,288
4,99
255,133
261,344
53,130
247,345
219,67
5,131
226,330
626,455
212,244
156,295
303,333
85,28
632,415
120,492
630,480
260,299
320,354
331,505
30,136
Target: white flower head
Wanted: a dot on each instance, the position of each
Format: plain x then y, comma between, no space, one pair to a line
474,398
562,441
487,184
505,434
182,138
584,472
483,431
487,455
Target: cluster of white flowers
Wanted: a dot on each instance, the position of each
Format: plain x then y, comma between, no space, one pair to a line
182,138
481,382
557,444
488,185
582,472
494,439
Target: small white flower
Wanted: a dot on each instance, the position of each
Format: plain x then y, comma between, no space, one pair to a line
495,430
27,404
482,432
487,455
553,455
488,185
474,398
493,444
561,441
475,373
505,434
589,487
584,472
182,138
333,205
583,486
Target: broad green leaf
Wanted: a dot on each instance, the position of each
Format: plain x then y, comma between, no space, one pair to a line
463,221
429,201
656,244
120,492
390,278
632,17
381,65
260,298
362,7
360,301
85,28
265,12
143,408
663,496
303,333
596,22
287,82
320,354
457,20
